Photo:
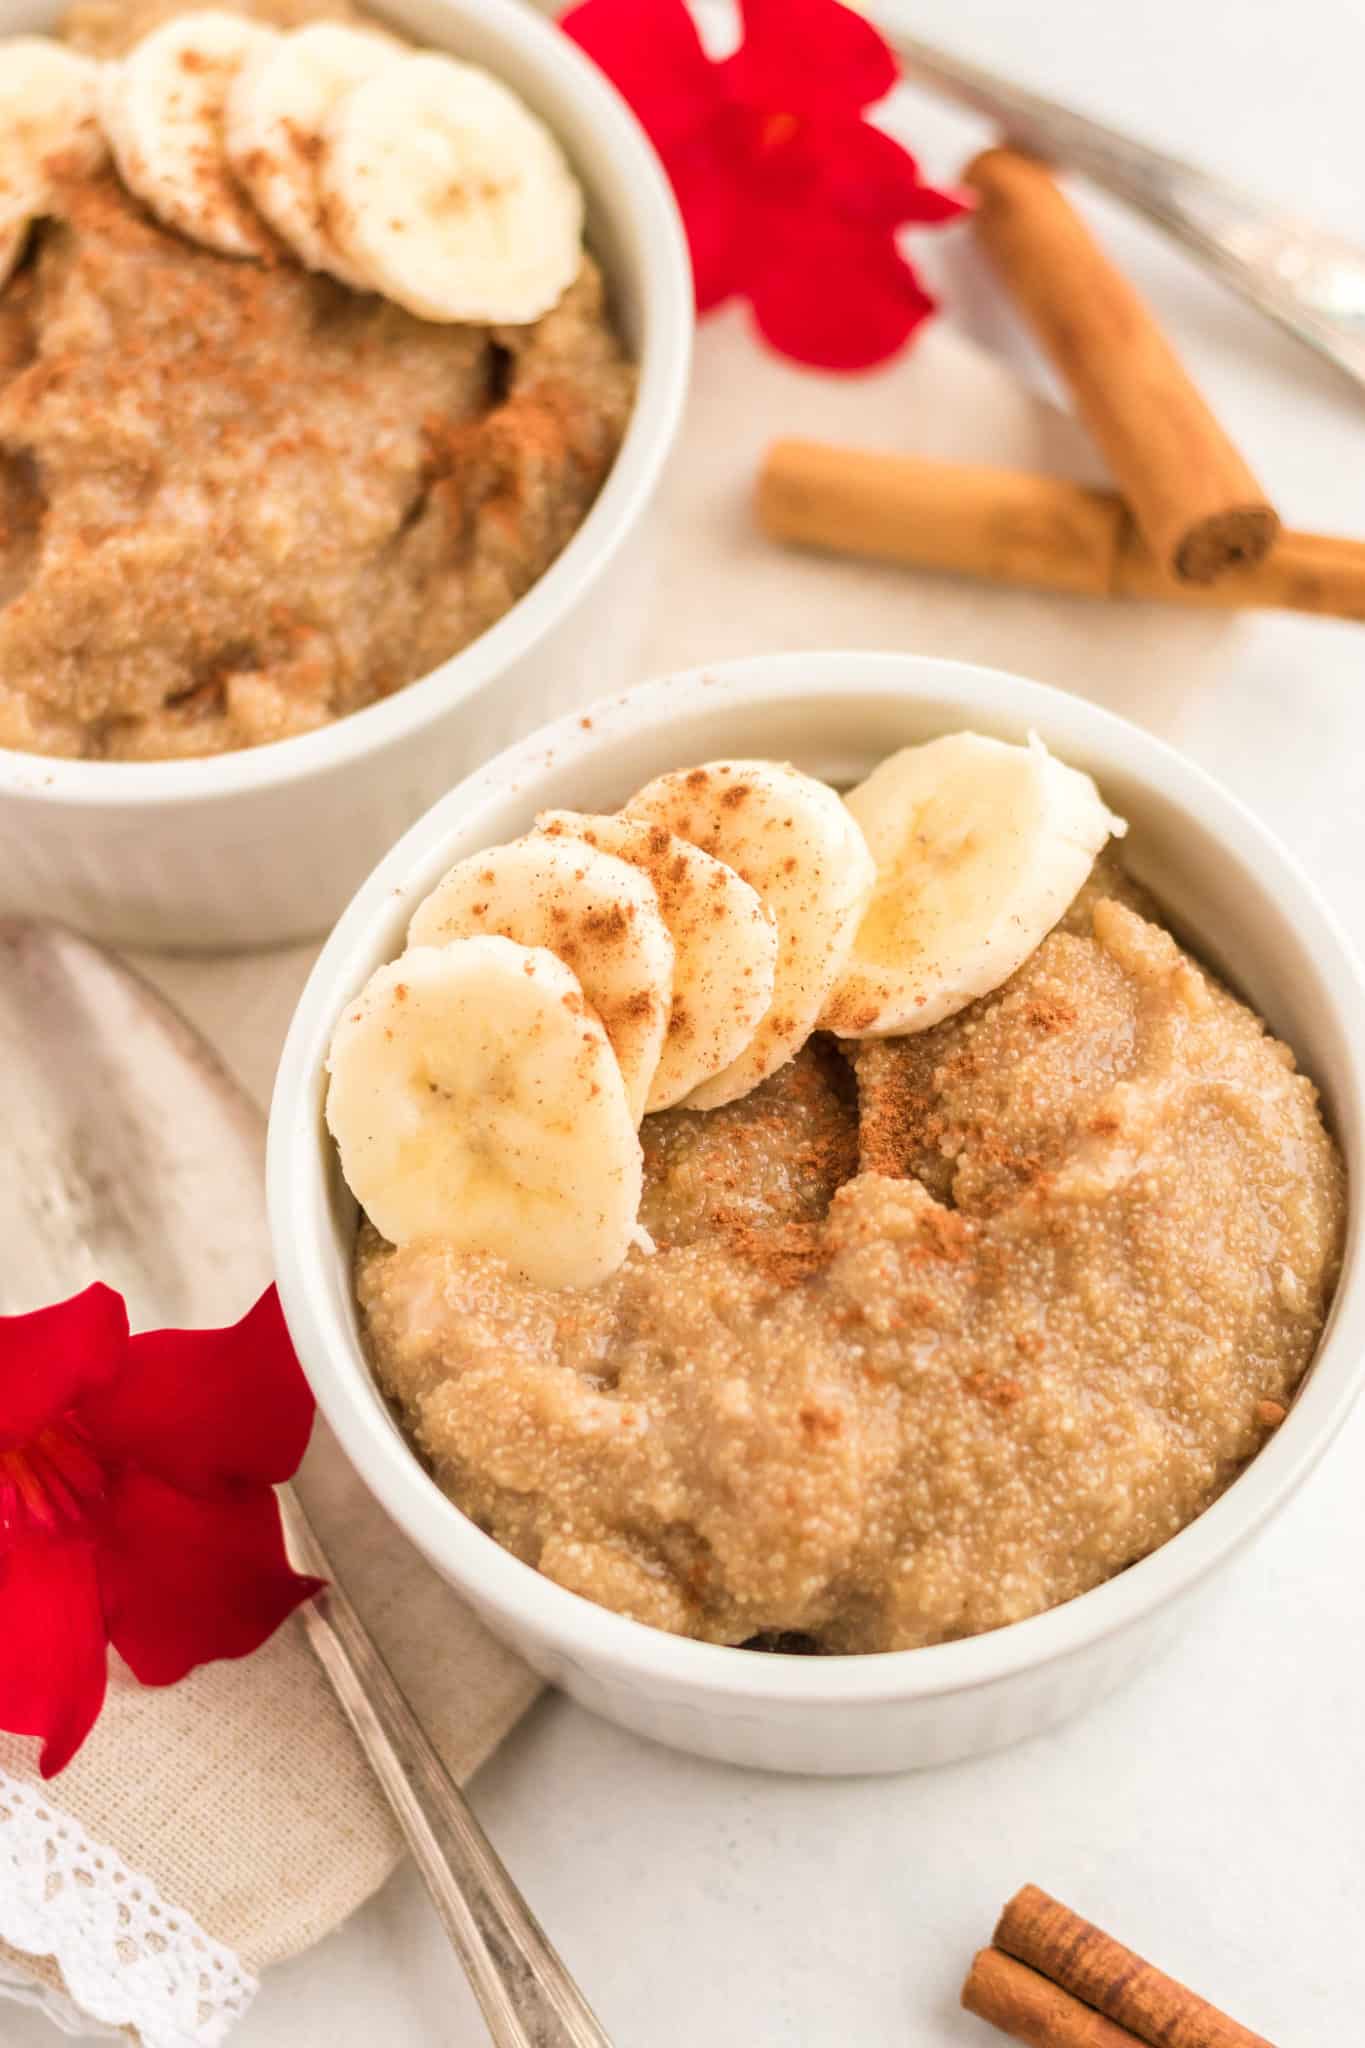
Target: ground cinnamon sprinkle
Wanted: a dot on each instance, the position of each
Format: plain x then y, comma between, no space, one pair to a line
784,1254
894,1109
949,1234
999,1393
304,142
607,925
231,445
1050,1013
820,1424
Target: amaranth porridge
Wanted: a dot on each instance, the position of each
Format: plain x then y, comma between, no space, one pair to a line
238,498
926,1333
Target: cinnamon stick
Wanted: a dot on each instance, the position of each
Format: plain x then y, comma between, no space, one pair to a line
1091,1966
1195,501
1013,527
1030,2009
1304,572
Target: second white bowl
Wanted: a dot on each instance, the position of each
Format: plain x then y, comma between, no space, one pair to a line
266,845
1225,882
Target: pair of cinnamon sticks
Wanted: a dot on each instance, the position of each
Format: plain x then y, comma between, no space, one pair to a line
1052,1980
1192,524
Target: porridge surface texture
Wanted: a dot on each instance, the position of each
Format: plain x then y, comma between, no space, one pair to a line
238,500
937,1335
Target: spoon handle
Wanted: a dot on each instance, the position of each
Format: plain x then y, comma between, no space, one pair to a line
527,1996
1310,281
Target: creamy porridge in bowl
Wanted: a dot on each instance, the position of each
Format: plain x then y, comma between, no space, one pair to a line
299,457
945,1317
255,480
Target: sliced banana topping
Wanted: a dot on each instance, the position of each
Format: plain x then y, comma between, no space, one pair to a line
599,915
474,1097
49,121
792,840
980,845
486,1087
724,946
447,194
277,110
164,109
405,173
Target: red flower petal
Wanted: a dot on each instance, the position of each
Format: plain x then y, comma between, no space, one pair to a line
709,184
931,207
807,57
849,302
870,179
185,1580
209,1410
52,1359
651,52
53,1656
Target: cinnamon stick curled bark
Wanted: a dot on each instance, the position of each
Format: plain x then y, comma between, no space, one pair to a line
1013,527
1195,501
1090,1966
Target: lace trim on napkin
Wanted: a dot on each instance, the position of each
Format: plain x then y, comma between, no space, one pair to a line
127,1957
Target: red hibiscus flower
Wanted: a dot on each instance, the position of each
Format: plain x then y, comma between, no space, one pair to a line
136,1505
791,199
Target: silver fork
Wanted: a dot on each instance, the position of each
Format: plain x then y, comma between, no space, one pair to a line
1310,281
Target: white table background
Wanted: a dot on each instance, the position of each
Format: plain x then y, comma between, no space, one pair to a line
1214,1814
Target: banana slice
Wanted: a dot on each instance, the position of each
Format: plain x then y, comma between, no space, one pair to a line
980,846
474,1098
791,839
600,916
724,946
49,120
449,196
277,109
164,109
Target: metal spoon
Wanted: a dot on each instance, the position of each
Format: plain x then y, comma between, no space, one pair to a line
1309,281
135,1158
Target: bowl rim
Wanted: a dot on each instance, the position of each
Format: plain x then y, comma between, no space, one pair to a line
641,192
299,1172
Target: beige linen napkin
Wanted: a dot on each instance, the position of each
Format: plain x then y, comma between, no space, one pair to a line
240,1794
207,1830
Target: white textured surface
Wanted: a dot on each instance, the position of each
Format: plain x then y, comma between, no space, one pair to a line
1212,1811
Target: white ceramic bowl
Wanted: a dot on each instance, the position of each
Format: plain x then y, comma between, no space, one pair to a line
266,845
1225,882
